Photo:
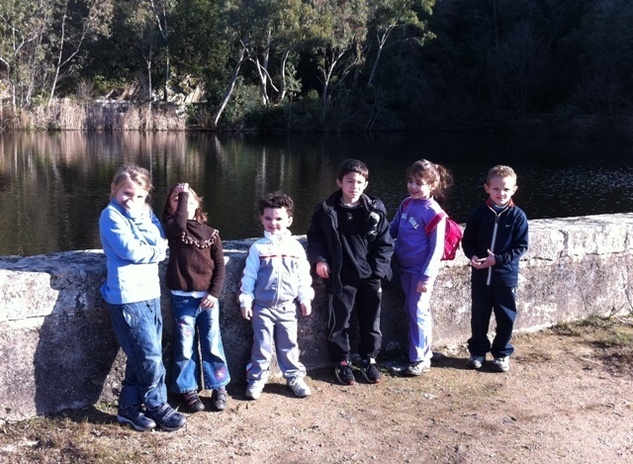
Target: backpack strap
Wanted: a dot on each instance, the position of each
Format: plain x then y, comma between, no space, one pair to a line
430,227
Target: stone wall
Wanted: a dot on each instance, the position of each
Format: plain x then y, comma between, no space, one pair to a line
58,350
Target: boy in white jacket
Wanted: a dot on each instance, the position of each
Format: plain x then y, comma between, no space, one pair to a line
276,277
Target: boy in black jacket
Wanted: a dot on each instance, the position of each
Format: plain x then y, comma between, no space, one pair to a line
350,246
495,237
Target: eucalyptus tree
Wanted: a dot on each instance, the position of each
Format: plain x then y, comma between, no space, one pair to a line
76,21
42,39
337,36
23,25
389,15
605,39
197,44
161,10
256,31
140,22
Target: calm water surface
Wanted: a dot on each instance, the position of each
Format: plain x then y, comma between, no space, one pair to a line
54,186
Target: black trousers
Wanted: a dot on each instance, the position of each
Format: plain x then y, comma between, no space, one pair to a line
367,295
485,299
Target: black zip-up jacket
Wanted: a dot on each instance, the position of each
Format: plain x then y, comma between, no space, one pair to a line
324,243
505,234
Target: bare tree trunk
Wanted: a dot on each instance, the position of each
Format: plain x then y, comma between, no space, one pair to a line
231,86
59,55
283,87
382,40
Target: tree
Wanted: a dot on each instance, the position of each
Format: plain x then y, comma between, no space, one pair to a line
161,10
388,15
23,26
606,40
77,21
338,35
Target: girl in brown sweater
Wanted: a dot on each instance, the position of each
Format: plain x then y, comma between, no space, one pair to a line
195,277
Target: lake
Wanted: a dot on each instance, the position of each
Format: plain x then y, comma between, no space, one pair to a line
54,186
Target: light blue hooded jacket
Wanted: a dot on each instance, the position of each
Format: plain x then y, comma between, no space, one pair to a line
133,245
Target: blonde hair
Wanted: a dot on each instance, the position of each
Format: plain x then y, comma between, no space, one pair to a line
500,170
131,173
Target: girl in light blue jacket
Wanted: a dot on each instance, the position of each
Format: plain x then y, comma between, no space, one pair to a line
134,244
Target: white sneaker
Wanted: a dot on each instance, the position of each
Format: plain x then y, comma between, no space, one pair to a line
417,368
254,389
475,362
299,387
501,364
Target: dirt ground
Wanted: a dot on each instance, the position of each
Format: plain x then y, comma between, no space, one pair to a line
568,398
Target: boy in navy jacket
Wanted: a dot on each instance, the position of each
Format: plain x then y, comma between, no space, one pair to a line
495,238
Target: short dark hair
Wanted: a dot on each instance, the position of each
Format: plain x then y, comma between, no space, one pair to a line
352,165
277,200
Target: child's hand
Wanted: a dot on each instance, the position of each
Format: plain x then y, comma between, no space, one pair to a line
323,270
422,287
247,313
476,261
208,301
483,263
306,309
181,188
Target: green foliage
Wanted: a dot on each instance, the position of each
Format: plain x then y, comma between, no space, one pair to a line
331,64
245,107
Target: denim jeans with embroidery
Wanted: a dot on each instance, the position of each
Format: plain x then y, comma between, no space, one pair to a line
197,346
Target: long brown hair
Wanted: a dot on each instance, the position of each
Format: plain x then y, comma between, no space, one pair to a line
200,216
431,173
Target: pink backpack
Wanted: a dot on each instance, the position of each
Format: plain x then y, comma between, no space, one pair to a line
453,235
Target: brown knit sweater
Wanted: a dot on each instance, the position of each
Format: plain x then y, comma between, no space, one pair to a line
196,259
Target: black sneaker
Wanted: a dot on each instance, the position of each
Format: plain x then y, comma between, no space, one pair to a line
192,400
219,398
135,417
370,370
167,418
344,373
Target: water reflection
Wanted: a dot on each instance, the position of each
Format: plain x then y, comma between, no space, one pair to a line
55,185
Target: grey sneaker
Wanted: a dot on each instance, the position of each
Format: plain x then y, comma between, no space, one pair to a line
136,418
475,362
417,368
501,364
254,389
299,386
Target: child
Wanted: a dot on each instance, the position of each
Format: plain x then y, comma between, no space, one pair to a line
496,236
134,244
418,255
350,246
276,276
195,276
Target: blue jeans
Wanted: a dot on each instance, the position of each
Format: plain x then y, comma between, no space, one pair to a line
197,330
139,328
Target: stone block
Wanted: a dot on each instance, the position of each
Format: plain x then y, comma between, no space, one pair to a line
58,349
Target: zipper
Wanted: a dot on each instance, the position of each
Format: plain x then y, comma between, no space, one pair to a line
494,239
